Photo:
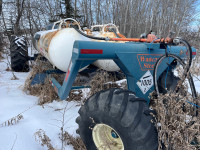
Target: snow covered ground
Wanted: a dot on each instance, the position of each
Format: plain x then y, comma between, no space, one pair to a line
14,101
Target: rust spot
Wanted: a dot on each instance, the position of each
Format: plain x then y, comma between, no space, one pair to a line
109,34
112,35
47,39
43,43
181,52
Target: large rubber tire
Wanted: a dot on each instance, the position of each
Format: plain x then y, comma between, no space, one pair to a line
19,54
124,113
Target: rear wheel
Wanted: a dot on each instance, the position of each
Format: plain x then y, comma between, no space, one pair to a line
19,54
116,119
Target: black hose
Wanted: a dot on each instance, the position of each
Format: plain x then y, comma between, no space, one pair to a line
89,36
188,65
186,70
179,40
159,61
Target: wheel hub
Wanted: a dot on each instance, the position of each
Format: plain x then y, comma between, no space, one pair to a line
106,138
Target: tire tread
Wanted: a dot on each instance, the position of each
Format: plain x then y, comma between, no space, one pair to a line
19,56
130,117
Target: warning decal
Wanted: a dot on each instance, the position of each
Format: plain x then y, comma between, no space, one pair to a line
146,82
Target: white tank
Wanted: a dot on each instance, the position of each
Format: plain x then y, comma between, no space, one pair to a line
106,64
61,45
57,44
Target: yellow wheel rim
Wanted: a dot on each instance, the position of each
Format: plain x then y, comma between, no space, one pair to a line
106,138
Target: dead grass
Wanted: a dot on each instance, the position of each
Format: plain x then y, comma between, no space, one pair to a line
43,139
77,143
75,95
12,121
101,81
176,121
1,56
45,92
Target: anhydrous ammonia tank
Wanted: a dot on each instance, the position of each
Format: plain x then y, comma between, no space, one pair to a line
56,45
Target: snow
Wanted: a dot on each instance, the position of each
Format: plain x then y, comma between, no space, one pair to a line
14,101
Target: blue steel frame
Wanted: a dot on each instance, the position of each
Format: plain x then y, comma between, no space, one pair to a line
134,59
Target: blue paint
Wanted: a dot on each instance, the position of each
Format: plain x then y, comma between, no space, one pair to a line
128,56
41,77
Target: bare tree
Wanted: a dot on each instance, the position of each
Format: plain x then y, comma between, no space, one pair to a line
20,9
0,6
133,16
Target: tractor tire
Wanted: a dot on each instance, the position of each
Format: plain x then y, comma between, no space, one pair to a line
19,54
116,119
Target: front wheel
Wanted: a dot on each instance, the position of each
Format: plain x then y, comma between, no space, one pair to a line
116,119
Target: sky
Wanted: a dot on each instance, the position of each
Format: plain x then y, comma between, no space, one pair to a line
196,24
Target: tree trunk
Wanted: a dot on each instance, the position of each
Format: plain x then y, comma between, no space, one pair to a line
0,7
20,8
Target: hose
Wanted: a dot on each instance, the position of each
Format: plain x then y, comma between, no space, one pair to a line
194,94
179,40
186,73
186,66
